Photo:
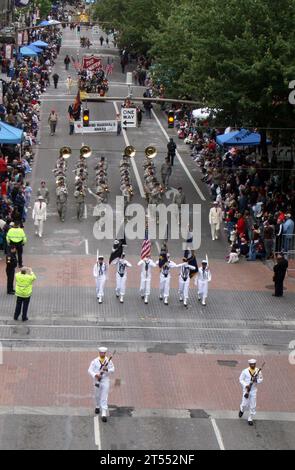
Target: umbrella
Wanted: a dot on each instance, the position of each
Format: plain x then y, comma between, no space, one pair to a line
27,51
10,134
39,44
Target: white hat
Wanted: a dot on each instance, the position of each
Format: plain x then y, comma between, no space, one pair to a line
40,197
102,349
100,256
252,361
204,261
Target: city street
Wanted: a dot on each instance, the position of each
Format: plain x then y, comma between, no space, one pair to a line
176,384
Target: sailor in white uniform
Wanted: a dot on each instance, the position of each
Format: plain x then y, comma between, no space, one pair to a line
248,376
202,281
184,280
100,274
146,277
121,276
165,278
100,370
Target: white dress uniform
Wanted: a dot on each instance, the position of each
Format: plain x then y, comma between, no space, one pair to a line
39,215
245,379
204,277
100,274
215,219
121,277
165,278
101,392
184,281
146,277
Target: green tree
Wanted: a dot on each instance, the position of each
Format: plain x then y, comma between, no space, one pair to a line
45,8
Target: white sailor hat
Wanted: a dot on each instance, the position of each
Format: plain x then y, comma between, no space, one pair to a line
102,349
252,361
100,256
204,261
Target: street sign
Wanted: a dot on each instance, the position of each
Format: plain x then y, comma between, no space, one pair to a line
95,127
129,117
92,63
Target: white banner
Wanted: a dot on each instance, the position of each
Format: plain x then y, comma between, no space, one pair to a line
96,126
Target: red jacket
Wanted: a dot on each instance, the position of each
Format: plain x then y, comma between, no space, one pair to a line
241,226
3,166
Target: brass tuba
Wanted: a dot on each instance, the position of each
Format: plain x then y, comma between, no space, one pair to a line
85,151
129,151
65,152
150,152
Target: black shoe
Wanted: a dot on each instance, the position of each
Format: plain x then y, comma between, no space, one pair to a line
250,423
11,293
104,419
25,319
97,411
15,318
241,413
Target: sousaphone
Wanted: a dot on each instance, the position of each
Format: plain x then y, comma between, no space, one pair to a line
85,151
130,151
150,152
65,152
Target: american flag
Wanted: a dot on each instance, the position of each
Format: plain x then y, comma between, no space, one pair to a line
146,246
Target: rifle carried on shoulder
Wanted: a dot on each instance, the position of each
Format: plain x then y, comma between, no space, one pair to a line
103,365
253,380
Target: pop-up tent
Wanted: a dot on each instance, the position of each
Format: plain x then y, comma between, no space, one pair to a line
10,134
241,138
28,52
49,23
39,43
35,48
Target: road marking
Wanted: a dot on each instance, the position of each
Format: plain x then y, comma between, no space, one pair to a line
217,434
85,211
86,247
180,160
158,246
97,433
127,143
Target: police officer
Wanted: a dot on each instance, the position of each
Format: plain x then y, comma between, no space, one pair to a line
16,236
11,265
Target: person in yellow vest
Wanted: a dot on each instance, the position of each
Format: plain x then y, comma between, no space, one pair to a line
16,237
23,291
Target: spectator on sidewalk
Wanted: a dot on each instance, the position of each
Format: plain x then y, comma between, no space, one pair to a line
288,233
280,270
23,291
16,237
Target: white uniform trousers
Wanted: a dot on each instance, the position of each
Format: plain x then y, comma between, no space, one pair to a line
202,289
101,396
145,285
249,403
100,283
39,225
183,288
120,284
164,285
215,231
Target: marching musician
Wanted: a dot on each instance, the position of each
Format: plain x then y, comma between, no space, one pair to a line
100,370
61,199
79,195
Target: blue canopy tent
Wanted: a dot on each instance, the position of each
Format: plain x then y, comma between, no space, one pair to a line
27,51
240,138
39,43
44,23
49,23
35,48
10,134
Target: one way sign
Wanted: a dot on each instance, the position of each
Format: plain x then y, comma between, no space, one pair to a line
129,117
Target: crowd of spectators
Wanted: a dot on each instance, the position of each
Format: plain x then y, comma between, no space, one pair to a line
25,79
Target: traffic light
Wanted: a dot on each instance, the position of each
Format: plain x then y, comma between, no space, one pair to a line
170,119
85,117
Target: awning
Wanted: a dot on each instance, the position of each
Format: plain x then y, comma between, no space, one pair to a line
35,48
27,51
45,23
39,43
10,134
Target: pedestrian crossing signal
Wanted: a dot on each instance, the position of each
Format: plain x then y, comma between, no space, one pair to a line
85,117
171,119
